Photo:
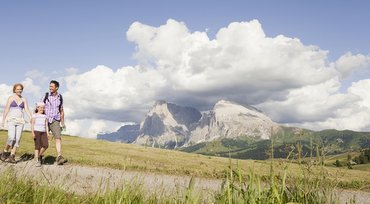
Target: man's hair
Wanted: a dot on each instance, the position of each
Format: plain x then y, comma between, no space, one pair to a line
16,85
55,83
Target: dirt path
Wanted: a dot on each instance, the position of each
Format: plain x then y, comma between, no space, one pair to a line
81,180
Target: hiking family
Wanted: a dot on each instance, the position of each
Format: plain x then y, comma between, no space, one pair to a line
48,116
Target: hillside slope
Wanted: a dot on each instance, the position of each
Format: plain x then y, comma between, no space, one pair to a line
327,142
90,152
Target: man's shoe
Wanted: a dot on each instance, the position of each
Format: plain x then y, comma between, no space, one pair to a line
12,159
61,160
40,159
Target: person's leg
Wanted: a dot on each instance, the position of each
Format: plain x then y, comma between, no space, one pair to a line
37,145
36,157
15,143
58,145
7,147
9,143
18,136
44,143
56,130
11,136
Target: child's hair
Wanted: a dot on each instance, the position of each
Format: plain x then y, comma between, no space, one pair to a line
36,111
38,105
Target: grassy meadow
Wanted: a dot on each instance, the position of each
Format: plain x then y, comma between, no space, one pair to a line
244,181
342,158
91,152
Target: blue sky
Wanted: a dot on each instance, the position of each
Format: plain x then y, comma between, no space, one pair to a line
54,35
48,37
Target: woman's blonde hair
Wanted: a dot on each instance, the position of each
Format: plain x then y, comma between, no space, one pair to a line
16,85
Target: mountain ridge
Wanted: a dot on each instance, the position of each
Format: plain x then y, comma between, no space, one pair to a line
171,126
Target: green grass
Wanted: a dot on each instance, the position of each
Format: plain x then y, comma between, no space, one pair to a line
342,158
90,152
244,181
14,189
308,188
334,141
362,167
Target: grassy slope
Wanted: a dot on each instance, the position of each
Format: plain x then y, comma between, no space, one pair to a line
90,152
342,158
285,139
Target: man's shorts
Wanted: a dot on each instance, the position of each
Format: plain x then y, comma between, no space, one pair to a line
55,129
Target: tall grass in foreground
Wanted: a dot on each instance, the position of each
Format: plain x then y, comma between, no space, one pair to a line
24,190
312,187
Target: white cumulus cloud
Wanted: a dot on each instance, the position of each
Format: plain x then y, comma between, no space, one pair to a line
240,64
292,82
322,107
348,63
89,128
103,93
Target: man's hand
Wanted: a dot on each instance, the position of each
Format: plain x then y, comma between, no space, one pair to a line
63,126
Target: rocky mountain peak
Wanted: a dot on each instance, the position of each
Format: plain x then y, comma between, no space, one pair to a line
231,120
159,102
168,125
174,115
231,111
225,104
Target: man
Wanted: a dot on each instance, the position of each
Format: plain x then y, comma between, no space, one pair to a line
55,115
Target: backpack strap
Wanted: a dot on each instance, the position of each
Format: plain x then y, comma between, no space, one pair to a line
61,103
46,98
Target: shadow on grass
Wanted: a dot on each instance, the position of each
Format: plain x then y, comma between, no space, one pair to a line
25,157
49,160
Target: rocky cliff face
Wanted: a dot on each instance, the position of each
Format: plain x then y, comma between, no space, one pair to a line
168,125
231,120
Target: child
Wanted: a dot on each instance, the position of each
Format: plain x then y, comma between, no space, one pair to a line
40,132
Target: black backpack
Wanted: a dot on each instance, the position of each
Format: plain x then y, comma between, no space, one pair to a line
60,99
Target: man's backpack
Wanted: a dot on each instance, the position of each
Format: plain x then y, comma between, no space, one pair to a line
60,99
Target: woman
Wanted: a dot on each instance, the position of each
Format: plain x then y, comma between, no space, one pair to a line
14,116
